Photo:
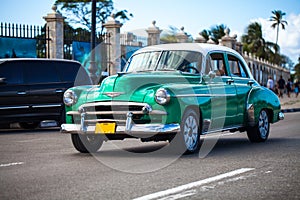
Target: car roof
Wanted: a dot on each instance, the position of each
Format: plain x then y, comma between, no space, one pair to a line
203,48
36,59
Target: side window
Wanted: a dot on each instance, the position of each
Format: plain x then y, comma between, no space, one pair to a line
216,63
73,72
67,71
237,69
12,72
40,72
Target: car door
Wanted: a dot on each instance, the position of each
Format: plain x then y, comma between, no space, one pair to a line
14,101
45,88
222,91
242,83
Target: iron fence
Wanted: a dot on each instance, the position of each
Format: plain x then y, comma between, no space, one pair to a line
39,33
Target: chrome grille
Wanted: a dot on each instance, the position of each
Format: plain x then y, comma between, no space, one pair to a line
113,111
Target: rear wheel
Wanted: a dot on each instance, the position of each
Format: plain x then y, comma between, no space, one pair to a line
260,132
86,143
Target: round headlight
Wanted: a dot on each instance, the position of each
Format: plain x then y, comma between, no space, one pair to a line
162,96
70,98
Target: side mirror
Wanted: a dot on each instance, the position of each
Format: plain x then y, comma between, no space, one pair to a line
212,74
2,81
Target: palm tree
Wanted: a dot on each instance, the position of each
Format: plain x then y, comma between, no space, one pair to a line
217,32
277,19
253,40
254,43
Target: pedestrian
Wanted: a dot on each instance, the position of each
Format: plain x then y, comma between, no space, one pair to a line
296,90
270,83
281,85
276,90
289,86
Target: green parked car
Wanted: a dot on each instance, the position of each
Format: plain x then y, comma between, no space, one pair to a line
172,92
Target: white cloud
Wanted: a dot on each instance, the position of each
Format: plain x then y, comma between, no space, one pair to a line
288,40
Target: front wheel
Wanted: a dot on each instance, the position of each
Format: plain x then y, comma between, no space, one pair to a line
260,132
190,131
86,143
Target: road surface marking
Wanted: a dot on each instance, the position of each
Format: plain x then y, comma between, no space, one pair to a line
180,195
193,184
11,164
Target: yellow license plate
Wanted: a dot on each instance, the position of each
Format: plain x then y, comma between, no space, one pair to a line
105,128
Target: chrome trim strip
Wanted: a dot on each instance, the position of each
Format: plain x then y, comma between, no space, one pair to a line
153,112
205,95
145,129
250,110
225,129
250,114
14,107
47,106
104,120
113,103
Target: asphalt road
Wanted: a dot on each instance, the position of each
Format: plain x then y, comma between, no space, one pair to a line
43,164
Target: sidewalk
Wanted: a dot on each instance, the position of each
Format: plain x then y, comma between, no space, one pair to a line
291,104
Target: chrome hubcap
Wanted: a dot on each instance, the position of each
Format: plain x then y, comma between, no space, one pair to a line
263,124
190,132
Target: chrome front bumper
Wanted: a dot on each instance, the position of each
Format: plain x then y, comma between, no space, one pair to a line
145,129
280,116
129,128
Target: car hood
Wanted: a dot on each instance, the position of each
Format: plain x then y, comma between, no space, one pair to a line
136,86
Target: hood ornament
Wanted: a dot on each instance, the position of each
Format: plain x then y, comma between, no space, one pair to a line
113,94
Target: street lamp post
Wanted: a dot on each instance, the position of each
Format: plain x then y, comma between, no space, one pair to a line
92,67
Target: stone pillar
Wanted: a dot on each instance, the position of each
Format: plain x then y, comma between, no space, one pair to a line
200,39
228,41
55,23
114,53
182,36
239,47
210,40
153,34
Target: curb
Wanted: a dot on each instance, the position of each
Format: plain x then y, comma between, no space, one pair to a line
290,110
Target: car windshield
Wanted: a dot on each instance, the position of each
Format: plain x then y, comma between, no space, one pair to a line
186,61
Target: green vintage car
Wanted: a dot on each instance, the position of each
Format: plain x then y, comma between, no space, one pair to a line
172,92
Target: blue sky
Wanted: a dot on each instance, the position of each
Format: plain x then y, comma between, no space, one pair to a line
193,15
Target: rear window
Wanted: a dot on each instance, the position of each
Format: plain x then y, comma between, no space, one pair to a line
12,72
68,71
73,72
43,71
40,72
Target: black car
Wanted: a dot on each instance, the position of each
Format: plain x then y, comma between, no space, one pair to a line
31,90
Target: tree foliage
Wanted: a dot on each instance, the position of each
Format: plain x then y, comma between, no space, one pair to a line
216,32
78,12
169,36
254,43
277,20
297,69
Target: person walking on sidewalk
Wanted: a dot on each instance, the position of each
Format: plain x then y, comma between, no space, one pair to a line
270,83
289,86
296,90
281,85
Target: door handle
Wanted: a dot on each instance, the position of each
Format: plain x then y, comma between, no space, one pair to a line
59,91
229,81
250,83
21,93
